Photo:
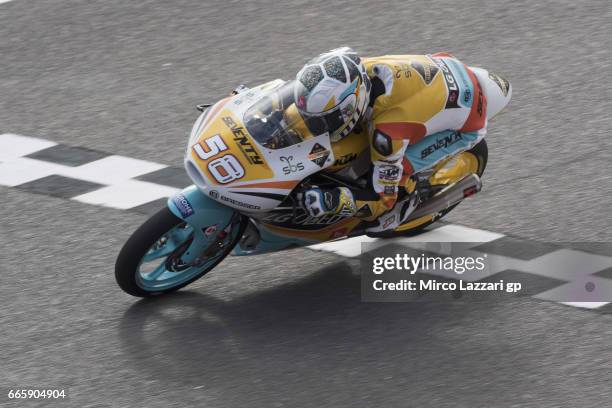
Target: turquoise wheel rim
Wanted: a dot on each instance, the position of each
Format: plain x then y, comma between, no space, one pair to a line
161,268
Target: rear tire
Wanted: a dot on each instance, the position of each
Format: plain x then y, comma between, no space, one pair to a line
481,151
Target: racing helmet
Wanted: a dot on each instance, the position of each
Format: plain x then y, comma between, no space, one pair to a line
332,92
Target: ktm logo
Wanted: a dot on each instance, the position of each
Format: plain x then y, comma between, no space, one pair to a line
342,160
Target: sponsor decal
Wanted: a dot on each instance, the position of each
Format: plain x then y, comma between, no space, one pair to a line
389,173
451,84
480,101
467,96
183,205
501,82
389,190
214,194
243,142
426,71
208,231
261,194
388,221
239,203
291,167
342,160
441,143
402,69
364,211
318,155
302,220
460,70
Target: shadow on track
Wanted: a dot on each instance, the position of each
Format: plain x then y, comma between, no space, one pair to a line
314,335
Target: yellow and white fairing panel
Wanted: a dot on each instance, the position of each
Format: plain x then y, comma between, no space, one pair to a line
229,165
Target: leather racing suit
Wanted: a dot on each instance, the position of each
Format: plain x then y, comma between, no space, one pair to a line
422,109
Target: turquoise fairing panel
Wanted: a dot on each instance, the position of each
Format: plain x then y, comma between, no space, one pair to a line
199,210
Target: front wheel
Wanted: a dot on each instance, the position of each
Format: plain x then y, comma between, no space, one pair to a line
151,261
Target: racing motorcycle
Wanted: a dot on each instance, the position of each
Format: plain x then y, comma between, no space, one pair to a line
249,162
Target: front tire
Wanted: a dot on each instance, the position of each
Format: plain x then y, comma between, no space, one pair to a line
164,237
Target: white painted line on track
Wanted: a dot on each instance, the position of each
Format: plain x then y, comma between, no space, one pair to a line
112,169
126,194
19,170
12,145
114,173
351,247
585,305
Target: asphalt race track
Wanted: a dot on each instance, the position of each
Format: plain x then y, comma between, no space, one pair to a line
288,329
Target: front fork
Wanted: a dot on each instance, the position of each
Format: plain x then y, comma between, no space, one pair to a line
209,219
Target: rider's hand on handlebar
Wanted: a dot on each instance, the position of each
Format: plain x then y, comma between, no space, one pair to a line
318,202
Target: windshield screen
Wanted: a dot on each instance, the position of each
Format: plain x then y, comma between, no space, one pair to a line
275,122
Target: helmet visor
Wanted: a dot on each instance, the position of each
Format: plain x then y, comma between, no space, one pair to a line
334,120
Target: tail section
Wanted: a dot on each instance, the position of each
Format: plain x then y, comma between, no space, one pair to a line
497,90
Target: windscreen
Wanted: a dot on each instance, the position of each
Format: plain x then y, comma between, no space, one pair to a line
275,122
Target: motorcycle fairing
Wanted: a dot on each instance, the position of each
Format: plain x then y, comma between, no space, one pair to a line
230,166
270,242
205,215
274,238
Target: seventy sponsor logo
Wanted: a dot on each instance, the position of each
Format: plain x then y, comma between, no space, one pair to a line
243,142
441,143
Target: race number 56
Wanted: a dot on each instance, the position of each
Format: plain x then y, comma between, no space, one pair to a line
224,169
213,146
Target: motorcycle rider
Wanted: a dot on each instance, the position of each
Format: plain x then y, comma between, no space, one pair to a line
416,110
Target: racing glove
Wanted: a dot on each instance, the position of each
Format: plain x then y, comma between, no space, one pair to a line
337,201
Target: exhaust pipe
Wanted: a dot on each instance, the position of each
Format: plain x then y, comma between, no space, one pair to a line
449,196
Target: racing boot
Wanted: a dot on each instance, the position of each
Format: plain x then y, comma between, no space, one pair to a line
397,215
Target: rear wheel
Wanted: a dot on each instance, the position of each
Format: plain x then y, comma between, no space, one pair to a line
445,173
150,264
